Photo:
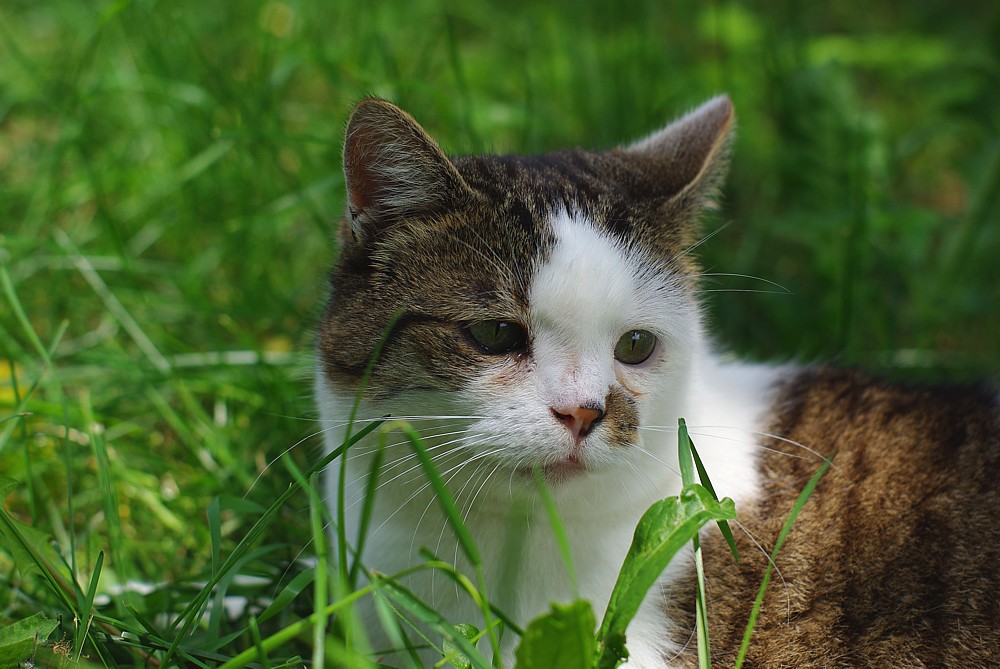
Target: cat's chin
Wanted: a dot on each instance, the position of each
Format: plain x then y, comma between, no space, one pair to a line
556,472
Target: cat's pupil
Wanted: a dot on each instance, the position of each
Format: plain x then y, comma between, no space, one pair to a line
498,337
635,347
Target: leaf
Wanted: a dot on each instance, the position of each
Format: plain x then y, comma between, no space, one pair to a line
563,637
663,530
453,655
18,640
28,546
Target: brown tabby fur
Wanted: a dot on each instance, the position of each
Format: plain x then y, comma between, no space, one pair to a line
894,561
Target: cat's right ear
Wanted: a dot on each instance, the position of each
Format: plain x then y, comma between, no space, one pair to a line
686,160
393,169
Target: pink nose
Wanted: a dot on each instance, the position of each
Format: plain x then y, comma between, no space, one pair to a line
578,420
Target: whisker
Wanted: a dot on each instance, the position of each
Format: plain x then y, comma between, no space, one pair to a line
278,457
668,465
697,430
642,477
784,584
701,241
744,290
743,276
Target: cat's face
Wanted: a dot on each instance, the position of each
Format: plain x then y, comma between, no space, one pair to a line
548,299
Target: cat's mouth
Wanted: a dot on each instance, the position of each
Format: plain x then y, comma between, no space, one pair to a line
557,472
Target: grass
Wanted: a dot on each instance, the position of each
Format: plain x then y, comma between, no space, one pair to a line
169,182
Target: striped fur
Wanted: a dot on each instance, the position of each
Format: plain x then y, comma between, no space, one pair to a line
895,561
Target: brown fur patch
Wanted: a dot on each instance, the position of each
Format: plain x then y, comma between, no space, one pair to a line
895,560
621,418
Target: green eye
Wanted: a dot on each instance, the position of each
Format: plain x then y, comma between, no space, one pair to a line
635,347
499,337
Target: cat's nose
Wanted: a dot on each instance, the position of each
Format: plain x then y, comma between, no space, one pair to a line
579,420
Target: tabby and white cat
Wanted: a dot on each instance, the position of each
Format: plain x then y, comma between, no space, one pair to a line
546,315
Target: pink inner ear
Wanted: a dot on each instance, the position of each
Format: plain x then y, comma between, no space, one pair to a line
362,182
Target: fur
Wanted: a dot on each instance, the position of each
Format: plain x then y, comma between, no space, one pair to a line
579,248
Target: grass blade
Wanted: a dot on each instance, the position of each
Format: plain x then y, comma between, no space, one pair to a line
465,540
367,508
686,456
727,531
800,502
186,619
343,571
407,600
320,586
562,541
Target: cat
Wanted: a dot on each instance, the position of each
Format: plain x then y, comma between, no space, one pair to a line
541,314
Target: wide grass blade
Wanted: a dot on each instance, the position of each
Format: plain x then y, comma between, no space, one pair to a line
727,531
288,594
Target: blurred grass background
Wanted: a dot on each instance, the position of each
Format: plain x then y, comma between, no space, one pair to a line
170,179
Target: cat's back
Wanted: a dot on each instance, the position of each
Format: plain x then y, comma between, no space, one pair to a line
895,560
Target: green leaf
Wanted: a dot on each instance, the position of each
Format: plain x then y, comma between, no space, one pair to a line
663,530
18,640
29,547
563,637
453,655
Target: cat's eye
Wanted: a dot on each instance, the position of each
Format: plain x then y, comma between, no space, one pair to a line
499,337
635,347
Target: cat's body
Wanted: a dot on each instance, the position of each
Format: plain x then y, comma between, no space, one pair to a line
545,316
895,560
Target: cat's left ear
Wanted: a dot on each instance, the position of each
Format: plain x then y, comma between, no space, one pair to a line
393,170
685,161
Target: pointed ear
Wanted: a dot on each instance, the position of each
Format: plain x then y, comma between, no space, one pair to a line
393,169
686,160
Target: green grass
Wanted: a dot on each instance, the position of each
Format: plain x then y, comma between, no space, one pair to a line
169,183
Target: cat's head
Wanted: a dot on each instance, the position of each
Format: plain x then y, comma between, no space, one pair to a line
550,297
